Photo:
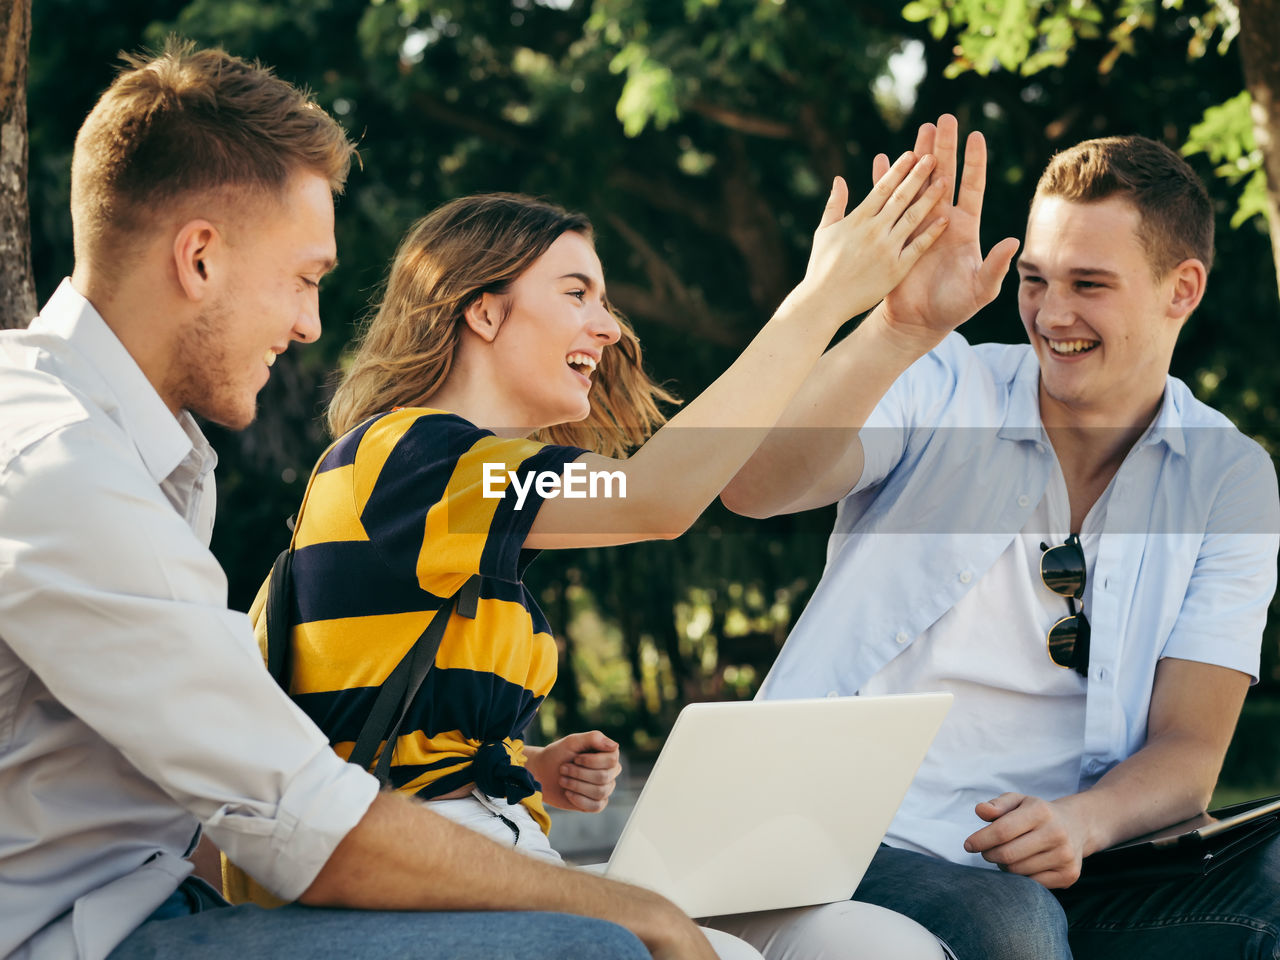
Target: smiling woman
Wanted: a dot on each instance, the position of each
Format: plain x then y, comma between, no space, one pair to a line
487,413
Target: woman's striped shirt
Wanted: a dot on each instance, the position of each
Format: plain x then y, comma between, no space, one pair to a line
394,522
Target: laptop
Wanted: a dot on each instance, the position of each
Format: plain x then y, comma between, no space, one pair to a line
1193,847
765,804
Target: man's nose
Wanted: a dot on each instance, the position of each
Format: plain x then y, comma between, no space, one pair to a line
1055,308
307,327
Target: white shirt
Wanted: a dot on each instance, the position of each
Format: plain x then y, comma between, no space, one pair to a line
1016,722
133,703
956,462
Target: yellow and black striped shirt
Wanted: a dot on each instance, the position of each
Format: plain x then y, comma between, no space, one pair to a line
395,521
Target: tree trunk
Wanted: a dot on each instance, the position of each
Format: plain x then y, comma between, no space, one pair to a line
17,288
1260,50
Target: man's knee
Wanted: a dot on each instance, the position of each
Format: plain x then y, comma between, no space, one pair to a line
587,937
1019,919
980,914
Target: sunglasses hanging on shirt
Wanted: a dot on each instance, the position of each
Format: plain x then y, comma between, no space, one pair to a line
1063,571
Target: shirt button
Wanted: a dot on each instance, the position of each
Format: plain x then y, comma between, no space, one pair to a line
832,693
902,637
965,576
1024,500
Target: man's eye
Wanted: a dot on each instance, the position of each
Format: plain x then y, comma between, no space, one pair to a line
311,283
1031,278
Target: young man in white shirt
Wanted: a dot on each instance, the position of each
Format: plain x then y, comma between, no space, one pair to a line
1070,542
133,703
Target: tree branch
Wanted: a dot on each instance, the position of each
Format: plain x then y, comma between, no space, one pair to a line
743,122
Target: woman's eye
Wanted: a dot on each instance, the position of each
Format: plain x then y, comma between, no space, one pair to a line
580,294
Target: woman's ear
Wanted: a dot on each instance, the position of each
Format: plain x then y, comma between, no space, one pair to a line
484,316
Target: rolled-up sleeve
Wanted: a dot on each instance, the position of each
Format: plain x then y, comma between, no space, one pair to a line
121,612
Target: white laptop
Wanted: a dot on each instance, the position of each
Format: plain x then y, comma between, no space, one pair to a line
765,804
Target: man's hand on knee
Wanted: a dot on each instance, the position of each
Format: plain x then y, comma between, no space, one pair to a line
1035,838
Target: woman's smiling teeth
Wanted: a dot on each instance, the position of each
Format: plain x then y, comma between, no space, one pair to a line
269,357
1069,348
584,360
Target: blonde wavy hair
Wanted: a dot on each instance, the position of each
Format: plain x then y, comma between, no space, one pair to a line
466,248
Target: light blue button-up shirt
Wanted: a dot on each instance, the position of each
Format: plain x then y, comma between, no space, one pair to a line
956,461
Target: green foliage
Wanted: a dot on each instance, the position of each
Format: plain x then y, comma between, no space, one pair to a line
1019,35
1028,36
700,137
1226,135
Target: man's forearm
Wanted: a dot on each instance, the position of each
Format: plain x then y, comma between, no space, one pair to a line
1168,780
402,856
1194,707
813,456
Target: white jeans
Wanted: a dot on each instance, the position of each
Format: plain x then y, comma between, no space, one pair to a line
848,930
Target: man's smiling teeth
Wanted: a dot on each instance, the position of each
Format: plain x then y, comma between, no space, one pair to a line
269,357
1069,347
582,360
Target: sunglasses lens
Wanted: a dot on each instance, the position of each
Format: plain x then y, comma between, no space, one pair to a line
1062,569
1062,640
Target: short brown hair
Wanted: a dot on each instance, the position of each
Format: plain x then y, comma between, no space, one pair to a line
1175,215
449,258
187,122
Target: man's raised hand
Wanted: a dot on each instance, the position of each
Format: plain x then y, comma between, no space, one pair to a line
951,281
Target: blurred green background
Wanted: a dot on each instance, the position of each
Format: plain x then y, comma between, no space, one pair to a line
700,137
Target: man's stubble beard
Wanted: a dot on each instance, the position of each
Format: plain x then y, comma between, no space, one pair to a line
203,382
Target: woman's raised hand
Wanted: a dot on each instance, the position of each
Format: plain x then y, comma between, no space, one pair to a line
857,259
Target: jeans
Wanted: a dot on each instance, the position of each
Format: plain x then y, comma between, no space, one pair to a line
295,932
980,914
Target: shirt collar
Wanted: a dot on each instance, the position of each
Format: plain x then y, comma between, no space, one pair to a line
125,393
1022,418
1167,426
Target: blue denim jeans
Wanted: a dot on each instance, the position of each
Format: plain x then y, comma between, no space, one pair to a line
1231,914
192,925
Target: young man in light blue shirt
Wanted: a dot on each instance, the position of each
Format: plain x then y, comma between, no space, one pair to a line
1060,534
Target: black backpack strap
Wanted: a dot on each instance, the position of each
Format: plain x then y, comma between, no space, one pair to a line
279,594
397,692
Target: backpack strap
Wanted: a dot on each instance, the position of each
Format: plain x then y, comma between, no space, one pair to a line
397,693
279,594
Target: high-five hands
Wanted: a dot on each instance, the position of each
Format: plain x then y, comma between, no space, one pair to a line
857,259
951,282
1036,838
